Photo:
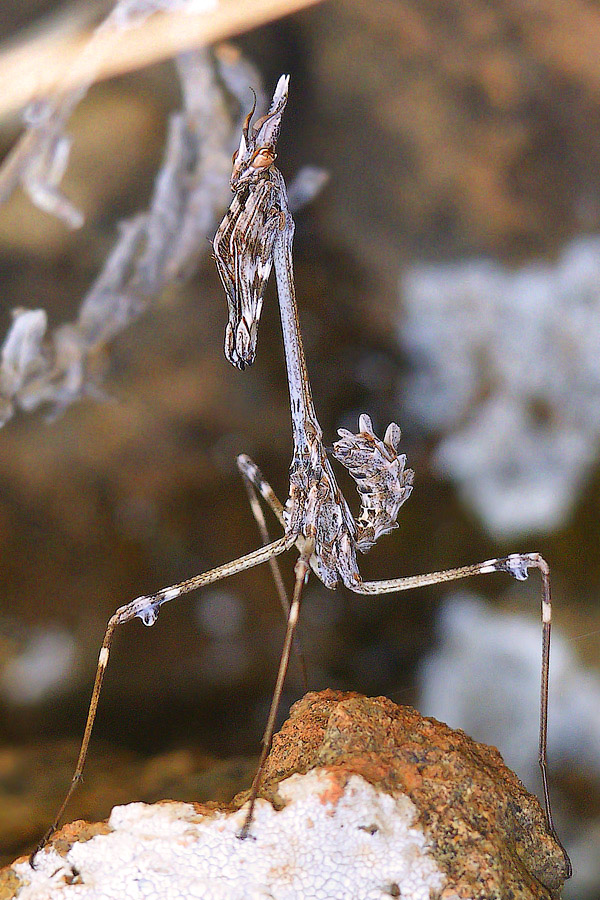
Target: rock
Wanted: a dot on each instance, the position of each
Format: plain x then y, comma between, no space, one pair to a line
361,798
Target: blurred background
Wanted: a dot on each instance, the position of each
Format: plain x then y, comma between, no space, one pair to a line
448,279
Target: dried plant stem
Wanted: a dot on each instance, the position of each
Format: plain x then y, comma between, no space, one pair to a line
53,62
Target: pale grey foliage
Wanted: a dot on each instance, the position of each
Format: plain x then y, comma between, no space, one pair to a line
39,159
154,247
191,189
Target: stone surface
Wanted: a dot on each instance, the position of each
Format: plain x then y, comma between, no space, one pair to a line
488,833
363,799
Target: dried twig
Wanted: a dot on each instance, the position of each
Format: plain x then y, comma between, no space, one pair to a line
154,247
37,68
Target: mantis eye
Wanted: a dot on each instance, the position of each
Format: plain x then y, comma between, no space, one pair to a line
263,158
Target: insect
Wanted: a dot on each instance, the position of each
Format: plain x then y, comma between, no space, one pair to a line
256,234
244,240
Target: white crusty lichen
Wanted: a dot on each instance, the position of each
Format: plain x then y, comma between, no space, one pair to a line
505,367
335,837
